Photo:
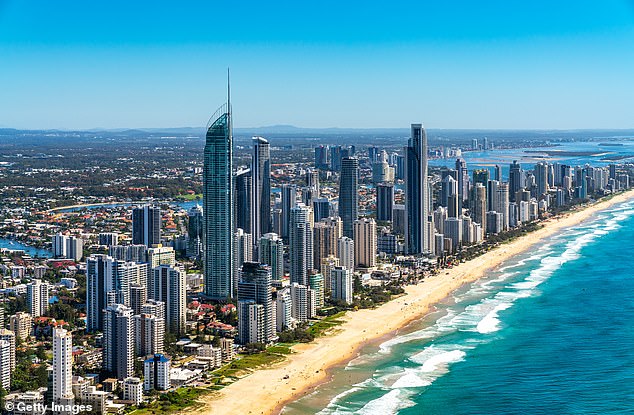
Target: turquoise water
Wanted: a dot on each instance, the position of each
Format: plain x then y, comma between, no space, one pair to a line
30,250
549,332
597,155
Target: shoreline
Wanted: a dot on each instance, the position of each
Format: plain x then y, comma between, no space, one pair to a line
312,364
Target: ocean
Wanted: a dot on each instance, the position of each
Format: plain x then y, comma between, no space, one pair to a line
550,331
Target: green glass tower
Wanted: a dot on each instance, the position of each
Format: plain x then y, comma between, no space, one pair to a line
218,205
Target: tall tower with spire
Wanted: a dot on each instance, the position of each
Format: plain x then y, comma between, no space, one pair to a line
416,192
218,203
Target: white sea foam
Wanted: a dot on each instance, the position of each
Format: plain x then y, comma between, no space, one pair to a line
434,356
390,403
491,323
410,380
442,325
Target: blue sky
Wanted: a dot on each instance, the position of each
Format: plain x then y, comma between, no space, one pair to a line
458,64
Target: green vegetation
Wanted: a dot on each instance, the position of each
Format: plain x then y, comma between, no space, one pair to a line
173,401
248,363
28,376
190,196
300,334
324,325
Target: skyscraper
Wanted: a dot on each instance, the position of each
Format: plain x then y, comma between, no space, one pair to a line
272,254
5,365
321,157
37,297
480,205
169,286
243,252
118,341
384,202
416,198
195,231
261,200
449,197
342,284
326,233
149,334
289,201
255,286
108,281
62,367
146,226
300,244
345,252
312,181
156,371
9,337
541,178
364,243
321,208
515,180
218,204
463,182
243,199
348,194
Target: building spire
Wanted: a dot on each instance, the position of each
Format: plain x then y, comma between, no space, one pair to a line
228,92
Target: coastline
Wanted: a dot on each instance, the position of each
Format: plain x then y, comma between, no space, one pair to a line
312,363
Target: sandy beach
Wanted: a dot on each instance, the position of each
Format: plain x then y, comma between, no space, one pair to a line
266,391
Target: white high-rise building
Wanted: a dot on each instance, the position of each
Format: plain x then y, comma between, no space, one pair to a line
108,281
62,367
453,230
118,341
243,245
156,373
69,247
133,390
149,334
37,297
251,321
342,284
74,248
5,365
303,302
283,309
364,243
345,252
169,285
21,324
154,307
59,245
9,336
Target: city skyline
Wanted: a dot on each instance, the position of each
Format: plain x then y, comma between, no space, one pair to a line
526,66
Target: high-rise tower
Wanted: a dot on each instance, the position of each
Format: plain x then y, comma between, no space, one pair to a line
300,244
348,194
416,197
261,199
146,226
62,367
218,204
